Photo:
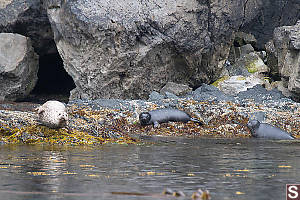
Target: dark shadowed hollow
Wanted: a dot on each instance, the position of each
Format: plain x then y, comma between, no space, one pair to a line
53,80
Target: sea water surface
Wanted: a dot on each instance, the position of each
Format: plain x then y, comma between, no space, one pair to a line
245,169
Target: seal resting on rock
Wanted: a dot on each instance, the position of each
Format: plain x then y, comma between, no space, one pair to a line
165,115
267,131
53,114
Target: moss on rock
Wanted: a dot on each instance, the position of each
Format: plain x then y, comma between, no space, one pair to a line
216,83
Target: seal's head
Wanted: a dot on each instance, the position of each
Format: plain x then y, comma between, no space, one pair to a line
253,125
62,119
145,118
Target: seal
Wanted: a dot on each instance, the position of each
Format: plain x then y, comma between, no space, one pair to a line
267,131
165,115
53,114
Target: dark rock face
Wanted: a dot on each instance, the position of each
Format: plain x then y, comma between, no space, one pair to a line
18,66
287,45
272,14
126,49
28,18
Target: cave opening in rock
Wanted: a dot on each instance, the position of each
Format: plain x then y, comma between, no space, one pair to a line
53,80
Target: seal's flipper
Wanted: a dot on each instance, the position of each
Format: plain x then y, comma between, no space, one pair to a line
197,121
155,124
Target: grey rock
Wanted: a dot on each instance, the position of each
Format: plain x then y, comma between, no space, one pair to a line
287,44
273,13
28,18
170,95
246,49
127,49
18,66
175,88
260,95
272,61
210,93
246,64
237,52
155,96
242,39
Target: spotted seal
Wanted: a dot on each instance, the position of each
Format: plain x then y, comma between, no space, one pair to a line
267,131
165,115
53,114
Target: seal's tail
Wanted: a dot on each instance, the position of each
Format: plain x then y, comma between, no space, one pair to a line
197,121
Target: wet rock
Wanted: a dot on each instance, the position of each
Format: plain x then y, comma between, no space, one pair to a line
175,88
28,18
127,49
18,66
286,41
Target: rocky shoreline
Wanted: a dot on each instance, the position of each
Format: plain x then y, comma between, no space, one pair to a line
167,51
103,121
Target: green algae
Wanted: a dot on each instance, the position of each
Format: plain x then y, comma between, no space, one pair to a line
251,67
216,83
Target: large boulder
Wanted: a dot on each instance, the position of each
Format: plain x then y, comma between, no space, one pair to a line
127,48
287,44
28,18
18,66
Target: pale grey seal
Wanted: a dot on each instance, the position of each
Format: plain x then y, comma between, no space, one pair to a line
164,115
53,114
267,131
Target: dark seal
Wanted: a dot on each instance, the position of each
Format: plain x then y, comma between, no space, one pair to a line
165,115
267,131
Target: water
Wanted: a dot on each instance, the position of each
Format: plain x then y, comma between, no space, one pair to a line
229,168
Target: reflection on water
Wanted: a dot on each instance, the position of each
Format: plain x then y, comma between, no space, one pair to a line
229,169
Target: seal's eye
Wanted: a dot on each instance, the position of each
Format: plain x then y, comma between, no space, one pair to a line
145,118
